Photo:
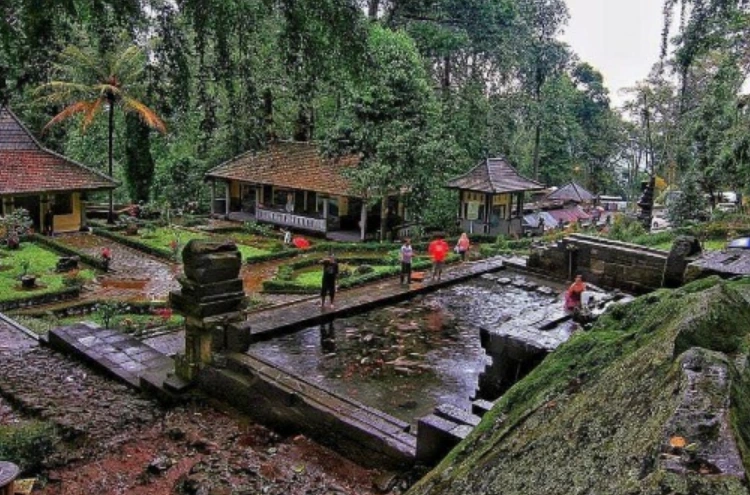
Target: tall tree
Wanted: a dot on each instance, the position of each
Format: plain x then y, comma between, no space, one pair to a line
91,82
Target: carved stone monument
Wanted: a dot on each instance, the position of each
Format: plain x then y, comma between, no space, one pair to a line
211,298
646,203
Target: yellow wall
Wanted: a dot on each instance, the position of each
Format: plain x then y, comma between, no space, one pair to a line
234,189
501,199
71,222
343,205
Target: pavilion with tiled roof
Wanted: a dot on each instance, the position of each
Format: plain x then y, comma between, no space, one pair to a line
572,192
40,180
292,184
491,198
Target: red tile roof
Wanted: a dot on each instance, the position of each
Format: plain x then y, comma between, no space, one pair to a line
496,176
27,167
293,165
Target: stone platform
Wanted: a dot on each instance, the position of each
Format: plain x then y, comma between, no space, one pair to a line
121,356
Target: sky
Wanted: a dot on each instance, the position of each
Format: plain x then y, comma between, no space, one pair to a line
621,38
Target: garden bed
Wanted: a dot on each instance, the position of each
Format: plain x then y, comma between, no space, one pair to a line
50,286
135,318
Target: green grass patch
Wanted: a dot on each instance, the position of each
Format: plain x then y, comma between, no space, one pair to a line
27,444
42,263
127,322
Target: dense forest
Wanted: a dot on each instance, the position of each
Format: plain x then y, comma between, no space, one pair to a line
423,89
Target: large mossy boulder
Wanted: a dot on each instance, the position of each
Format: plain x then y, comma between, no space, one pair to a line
655,399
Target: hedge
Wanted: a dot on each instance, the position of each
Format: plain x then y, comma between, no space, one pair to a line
92,261
44,298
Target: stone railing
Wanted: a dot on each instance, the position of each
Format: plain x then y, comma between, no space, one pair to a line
291,220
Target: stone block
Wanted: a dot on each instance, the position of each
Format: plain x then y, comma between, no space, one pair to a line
481,407
188,306
210,262
193,289
435,438
457,415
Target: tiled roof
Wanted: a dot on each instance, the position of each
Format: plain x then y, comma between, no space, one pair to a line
27,167
494,175
572,191
293,165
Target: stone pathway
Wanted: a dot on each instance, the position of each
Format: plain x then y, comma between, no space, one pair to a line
134,276
111,351
13,339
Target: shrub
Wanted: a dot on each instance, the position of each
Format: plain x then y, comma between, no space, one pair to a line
256,228
285,273
362,269
27,444
626,229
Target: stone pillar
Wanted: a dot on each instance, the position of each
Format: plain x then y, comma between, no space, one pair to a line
646,203
211,299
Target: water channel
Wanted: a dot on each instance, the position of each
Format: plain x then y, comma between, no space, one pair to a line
408,358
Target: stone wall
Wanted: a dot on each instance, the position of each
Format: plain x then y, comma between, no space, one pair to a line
602,262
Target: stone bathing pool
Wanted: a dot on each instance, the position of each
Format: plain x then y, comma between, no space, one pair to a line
407,359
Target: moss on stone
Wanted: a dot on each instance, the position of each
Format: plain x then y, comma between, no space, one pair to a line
591,418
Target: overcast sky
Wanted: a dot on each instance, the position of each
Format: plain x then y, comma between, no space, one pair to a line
621,38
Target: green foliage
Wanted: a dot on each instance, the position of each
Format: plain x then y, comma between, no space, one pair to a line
690,205
28,444
15,226
260,229
626,228
109,311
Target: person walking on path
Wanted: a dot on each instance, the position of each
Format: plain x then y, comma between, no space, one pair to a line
463,245
438,250
328,286
407,252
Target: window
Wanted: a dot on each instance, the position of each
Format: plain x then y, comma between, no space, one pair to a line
63,204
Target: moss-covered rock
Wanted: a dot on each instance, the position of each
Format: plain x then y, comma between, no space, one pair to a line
595,416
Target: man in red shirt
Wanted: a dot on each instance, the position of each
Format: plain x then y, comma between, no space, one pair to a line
438,250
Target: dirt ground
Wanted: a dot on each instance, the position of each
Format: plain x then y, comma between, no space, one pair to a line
116,441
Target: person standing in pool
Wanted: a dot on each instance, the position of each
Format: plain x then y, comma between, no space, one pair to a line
328,285
573,295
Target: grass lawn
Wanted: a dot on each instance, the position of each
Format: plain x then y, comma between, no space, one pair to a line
42,263
162,237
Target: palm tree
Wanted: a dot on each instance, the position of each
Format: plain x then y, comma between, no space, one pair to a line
92,82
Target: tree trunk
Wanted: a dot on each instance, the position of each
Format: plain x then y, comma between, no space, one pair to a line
537,144
372,9
111,214
383,217
446,83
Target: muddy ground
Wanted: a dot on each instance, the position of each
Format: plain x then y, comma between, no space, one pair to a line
115,441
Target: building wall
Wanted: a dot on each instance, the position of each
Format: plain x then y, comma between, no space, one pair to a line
72,221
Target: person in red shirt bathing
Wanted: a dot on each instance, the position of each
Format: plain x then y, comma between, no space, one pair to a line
438,250
573,295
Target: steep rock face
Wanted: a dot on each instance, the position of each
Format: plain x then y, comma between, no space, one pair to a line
654,400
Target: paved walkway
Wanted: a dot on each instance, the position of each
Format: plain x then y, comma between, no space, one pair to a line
111,351
13,339
134,276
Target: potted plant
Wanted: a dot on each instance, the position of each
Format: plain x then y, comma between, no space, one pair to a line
27,281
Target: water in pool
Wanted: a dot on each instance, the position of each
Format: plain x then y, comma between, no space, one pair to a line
408,358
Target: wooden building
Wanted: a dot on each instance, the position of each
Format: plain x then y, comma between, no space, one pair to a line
491,198
572,192
292,185
40,180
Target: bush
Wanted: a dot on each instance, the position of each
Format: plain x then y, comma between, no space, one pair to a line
626,228
362,269
27,444
285,273
256,228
